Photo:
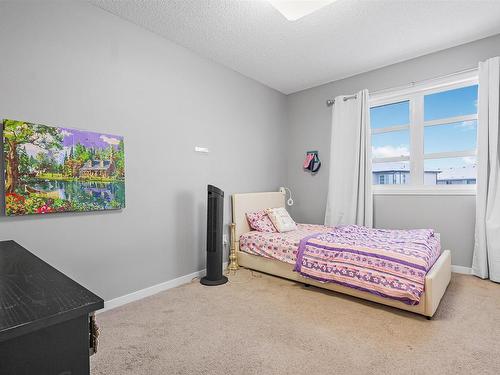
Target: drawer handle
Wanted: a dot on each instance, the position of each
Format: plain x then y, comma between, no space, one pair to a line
93,335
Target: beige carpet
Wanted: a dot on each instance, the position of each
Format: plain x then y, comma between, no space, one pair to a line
259,324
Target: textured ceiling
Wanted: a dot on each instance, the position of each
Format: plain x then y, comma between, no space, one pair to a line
344,38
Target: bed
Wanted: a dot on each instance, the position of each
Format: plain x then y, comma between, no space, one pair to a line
279,260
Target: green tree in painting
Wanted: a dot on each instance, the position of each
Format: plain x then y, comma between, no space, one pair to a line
82,153
42,162
45,163
25,162
120,160
18,133
71,167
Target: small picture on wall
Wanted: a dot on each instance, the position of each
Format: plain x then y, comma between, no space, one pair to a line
50,169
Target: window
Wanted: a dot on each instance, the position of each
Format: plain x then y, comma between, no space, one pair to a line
391,139
426,135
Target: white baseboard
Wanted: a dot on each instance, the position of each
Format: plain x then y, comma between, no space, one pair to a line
461,269
146,292
149,291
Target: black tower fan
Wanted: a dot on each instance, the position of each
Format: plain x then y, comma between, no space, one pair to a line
215,210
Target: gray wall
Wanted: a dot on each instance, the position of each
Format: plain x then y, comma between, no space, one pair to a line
74,65
309,129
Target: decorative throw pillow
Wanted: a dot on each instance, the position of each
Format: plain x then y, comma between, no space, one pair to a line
259,221
281,219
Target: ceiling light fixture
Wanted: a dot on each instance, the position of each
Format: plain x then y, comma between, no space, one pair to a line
293,10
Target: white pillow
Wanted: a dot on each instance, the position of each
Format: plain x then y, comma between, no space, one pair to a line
281,219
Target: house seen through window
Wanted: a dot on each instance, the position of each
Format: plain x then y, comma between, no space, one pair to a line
427,137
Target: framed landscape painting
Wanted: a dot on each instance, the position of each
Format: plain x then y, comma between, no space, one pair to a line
50,169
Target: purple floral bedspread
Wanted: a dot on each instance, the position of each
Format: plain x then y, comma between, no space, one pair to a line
387,263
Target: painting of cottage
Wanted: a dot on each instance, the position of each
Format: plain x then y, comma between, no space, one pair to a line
54,169
97,168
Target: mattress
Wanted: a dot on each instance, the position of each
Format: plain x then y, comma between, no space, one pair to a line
387,263
279,246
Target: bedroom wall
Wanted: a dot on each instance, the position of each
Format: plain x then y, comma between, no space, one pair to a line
74,65
309,129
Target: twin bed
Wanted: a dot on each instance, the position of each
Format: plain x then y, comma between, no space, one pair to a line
413,257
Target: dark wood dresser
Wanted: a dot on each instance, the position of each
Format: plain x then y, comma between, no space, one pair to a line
46,318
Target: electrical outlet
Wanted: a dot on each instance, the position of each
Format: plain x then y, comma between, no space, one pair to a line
225,240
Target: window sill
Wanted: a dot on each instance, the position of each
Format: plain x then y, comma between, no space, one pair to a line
424,190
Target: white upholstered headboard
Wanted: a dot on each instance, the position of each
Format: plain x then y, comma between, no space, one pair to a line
249,202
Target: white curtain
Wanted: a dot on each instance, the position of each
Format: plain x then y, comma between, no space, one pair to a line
486,259
349,187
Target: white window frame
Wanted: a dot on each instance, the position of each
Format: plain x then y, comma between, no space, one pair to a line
415,96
